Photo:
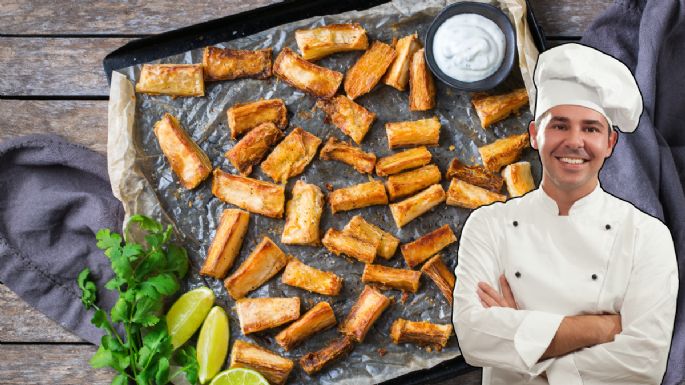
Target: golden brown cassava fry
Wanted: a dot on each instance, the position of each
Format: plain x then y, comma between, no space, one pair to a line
398,73
404,160
493,108
317,319
469,196
519,179
305,76
401,279
226,244
320,42
358,196
314,361
252,147
302,215
171,79
407,183
350,117
503,151
368,70
413,133
420,333
253,195
269,364
421,84
429,244
338,242
369,306
443,277
360,228
257,314
335,149
475,175
243,117
265,261
411,208
291,156
309,278
229,64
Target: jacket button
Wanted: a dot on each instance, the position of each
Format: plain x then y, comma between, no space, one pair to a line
516,223
517,274
594,277
608,227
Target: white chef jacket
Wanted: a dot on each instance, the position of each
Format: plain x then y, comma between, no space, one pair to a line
606,256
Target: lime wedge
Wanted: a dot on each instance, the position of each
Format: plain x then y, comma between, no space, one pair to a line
212,345
186,314
239,376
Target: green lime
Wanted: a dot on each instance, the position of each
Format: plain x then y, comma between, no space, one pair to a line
212,345
186,314
239,376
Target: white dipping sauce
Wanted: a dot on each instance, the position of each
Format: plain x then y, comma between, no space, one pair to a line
469,47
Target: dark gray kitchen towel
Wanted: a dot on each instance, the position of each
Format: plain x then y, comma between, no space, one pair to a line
648,166
54,197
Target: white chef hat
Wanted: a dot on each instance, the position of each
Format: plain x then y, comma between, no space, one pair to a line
579,75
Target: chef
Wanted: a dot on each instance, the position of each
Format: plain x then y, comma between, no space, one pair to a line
568,284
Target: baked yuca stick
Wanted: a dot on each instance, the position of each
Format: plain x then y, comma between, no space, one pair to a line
503,151
226,244
407,183
341,151
291,156
317,319
401,279
420,333
253,195
338,242
443,277
469,196
265,261
493,108
368,70
411,208
386,243
314,361
257,314
229,64
309,278
351,118
398,73
429,244
171,79
243,117
269,364
404,160
358,196
475,175
250,150
369,306
519,179
305,76
413,133
320,42
421,84
302,215
190,164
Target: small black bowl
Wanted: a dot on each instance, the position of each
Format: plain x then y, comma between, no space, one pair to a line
488,11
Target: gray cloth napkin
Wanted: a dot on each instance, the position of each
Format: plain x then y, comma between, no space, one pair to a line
54,197
649,37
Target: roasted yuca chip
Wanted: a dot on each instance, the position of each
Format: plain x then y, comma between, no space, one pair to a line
411,208
429,244
302,215
368,70
252,147
475,175
265,261
503,151
519,179
358,196
257,314
171,79
320,42
309,278
405,160
386,243
420,333
493,108
351,118
291,156
308,77
228,64
369,306
269,364
190,164
314,361
317,319
401,279
469,196
413,133
398,73
246,116
253,195
335,149
443,277
407,183
421,84
226,244
338,242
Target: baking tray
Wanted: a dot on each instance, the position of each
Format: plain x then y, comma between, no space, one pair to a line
257,20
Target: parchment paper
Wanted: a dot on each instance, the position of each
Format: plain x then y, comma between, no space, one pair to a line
142,179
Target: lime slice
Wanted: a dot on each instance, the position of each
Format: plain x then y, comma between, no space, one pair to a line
239,376
187,314
212,344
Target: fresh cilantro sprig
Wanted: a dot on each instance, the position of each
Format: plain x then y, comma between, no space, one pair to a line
144,274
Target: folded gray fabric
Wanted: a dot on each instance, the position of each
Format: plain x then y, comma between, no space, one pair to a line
649,37
54,197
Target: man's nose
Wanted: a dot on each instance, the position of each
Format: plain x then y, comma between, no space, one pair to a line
574,138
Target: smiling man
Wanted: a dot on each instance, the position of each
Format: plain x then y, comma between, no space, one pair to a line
569,284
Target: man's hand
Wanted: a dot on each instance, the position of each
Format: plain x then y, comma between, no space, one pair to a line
489,297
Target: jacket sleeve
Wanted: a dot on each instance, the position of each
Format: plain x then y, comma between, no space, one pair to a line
495,337
638,355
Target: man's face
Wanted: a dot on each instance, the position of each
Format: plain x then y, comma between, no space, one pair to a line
573,145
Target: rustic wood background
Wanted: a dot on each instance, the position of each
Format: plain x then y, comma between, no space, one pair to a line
51,81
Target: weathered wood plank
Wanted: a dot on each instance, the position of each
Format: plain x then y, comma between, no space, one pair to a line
567,17
80,121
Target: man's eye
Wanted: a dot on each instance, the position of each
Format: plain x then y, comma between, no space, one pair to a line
591,129
558,126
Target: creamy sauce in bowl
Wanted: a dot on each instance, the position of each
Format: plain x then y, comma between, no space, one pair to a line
469,47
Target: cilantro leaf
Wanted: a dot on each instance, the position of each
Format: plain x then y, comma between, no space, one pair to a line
177,260
186,357
88,289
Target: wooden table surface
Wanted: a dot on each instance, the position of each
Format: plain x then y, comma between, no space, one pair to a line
51,81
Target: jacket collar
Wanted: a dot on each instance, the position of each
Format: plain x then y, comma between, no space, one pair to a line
589,203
